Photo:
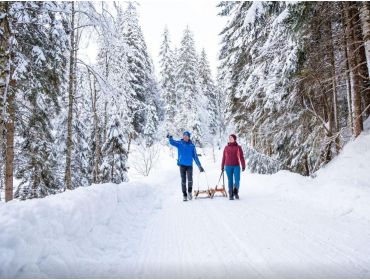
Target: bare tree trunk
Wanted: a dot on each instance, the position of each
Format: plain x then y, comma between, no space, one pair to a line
365,23
348,86
365,83
306,166
105,129
352,39
8,99
68,176
3,77
93,94
9,155
333,99
129,143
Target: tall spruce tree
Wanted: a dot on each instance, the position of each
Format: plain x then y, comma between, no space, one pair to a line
208,89
188,90
139,66
168,81
36,77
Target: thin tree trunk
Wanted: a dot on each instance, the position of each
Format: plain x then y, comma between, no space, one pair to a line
365,23
105,130
348,86
365,83
129,143
8,99
9,155
352,38
68,176
93,94
333,114
306,166
363,31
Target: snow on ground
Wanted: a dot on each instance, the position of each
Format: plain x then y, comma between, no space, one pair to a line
284,225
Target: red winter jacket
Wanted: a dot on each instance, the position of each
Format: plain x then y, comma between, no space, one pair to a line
233,155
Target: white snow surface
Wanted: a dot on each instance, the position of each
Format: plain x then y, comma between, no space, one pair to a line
284,226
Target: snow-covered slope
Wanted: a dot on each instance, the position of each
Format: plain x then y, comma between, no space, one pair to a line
88,231
284,225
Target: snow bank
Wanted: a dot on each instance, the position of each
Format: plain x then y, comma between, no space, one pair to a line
63,235
342,187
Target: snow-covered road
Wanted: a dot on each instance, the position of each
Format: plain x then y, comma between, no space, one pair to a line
265,234
284,225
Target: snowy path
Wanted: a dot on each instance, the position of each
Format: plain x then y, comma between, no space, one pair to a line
284,225
257,236
274,230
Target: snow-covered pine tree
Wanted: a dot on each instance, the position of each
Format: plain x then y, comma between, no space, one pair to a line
96,111
151,113
80,128
114,168
284,65
209,92
83,15
168,82
258,56
221,109
111,94
329,68
39,61
188,90
139,66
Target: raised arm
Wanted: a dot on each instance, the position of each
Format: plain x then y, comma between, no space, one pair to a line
173,142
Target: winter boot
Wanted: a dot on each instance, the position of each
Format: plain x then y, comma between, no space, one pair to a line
190,196
231,194
236,193
185,198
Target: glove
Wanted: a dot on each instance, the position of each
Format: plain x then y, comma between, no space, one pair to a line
222,169
243,169
168,136
201,169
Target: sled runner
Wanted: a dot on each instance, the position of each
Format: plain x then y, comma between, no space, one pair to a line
207,192
219,189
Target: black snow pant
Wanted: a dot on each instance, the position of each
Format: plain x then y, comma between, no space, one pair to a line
186,171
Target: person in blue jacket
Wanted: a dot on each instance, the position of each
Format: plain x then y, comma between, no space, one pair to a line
186,154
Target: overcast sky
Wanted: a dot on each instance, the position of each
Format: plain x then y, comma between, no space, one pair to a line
201,17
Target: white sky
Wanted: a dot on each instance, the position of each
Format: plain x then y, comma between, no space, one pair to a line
201,17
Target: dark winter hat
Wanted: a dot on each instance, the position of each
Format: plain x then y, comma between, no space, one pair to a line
187,133
233,136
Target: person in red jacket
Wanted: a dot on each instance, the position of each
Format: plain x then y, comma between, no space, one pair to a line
232,159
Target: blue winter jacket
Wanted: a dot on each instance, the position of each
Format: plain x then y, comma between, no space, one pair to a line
186,152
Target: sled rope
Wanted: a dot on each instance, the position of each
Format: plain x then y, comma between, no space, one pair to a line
219,189
207,191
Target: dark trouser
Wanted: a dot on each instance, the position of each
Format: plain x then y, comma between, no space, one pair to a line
186,171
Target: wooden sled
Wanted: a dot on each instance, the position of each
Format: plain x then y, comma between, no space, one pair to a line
208,193
203,193
219,189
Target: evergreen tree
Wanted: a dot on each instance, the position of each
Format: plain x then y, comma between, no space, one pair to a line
39,63
283,64
209,91
115,155
168,81
139,66
188,90
258,83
